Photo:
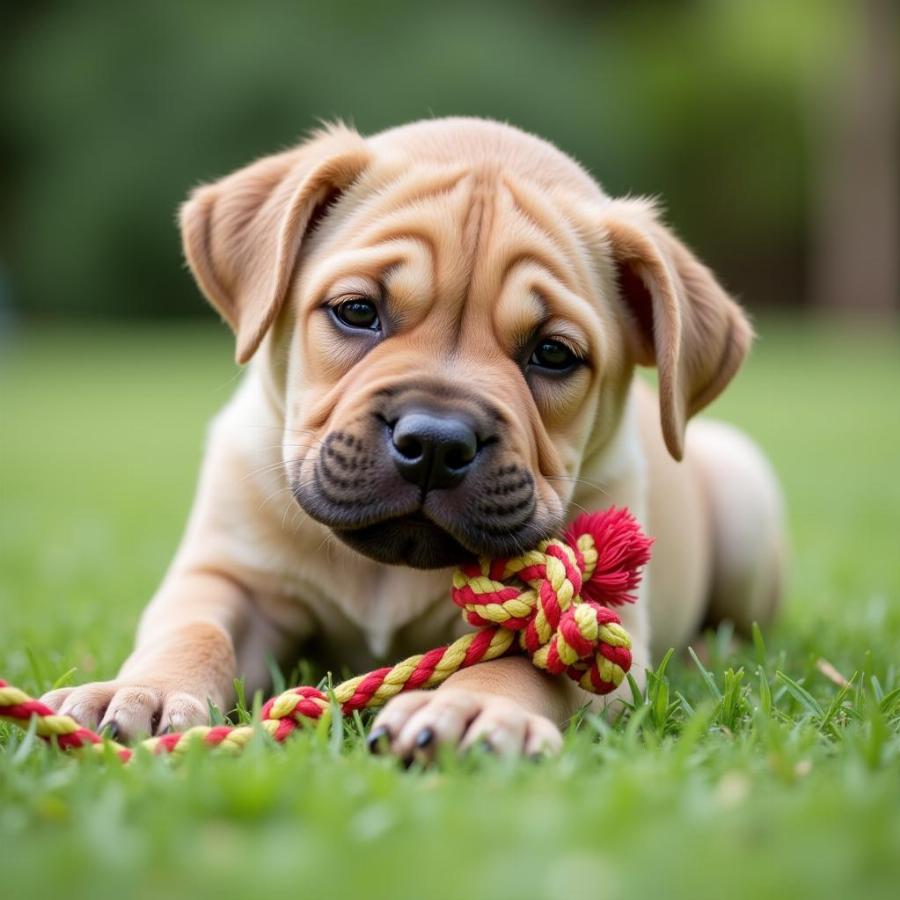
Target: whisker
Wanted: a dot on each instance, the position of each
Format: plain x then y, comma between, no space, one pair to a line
264,469
279,428
281,490
297,511
578,480
325,542
279,463
577,506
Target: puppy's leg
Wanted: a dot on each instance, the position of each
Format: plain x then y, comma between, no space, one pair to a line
185,658
507,703
747,518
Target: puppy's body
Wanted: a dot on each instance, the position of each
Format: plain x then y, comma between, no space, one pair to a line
485,256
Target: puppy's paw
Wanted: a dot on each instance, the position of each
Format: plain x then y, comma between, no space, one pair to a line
413,725
129,709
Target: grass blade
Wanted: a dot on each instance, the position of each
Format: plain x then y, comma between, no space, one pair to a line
279,686
708,680
801,695
765,693
759,645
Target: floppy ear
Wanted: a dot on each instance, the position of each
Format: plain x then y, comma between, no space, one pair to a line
242,235
684,322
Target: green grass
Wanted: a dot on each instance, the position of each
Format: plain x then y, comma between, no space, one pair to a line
756,777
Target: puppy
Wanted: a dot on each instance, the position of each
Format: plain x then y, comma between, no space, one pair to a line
442,324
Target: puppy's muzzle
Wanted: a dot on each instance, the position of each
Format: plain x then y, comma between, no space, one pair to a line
427,476
431,450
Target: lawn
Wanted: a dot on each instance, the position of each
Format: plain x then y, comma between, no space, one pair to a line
758,775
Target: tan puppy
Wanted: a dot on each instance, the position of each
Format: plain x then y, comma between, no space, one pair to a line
442,324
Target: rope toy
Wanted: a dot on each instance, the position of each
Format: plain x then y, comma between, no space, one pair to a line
552,604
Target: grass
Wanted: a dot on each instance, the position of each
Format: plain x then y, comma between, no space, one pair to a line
748,775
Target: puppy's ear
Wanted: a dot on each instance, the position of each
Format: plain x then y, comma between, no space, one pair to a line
683,321
242,235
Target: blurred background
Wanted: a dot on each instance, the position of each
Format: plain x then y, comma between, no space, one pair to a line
769,128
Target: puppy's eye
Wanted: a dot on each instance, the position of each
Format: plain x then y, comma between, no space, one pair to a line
553,355
358,313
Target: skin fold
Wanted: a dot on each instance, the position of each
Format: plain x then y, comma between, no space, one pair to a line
441,325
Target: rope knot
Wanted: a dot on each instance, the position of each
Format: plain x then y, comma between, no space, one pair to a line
557,598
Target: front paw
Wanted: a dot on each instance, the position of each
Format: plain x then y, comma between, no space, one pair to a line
414,725
130,708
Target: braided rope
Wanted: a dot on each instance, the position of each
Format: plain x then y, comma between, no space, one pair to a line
551,604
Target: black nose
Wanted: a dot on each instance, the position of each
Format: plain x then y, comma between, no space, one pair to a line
433,451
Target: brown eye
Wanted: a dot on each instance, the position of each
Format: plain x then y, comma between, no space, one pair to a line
553,355
358,313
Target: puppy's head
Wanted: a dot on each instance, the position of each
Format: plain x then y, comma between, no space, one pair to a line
451,313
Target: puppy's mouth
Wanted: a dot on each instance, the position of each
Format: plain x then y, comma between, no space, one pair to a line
412,540
421,487
396,526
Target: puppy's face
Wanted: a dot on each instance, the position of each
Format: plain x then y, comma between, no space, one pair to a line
455,338
442,358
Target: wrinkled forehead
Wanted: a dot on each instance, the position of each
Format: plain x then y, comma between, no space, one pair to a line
453,243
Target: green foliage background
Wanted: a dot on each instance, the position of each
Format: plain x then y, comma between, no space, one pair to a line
110,112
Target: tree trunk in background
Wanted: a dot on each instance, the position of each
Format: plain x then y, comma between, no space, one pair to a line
856,215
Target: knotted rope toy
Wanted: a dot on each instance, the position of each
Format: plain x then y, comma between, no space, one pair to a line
552,604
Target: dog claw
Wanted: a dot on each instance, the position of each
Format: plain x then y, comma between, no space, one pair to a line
377,739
